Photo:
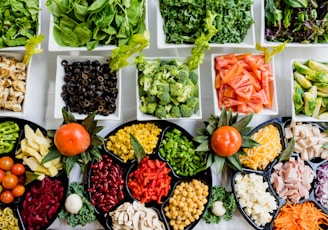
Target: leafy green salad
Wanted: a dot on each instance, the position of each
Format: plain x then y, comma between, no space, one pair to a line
184,20
100,22
18,22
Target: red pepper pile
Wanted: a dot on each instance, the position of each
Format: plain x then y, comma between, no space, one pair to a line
150,182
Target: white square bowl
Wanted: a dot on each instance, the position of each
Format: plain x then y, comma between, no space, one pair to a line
38,32
249,40
142,116
60,72
273,110
266,43
9,113
301,117
54,47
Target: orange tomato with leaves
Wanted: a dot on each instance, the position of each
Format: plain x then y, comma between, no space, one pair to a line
72,139
226,141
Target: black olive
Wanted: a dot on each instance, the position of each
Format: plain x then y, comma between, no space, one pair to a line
64,62
100,79
100,108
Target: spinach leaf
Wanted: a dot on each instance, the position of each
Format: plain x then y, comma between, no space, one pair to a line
85,23
18,22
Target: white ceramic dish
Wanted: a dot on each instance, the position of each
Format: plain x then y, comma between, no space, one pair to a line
301,117
59,102
249,40
54,47
142,116
22,48
8,113
265,43
273,110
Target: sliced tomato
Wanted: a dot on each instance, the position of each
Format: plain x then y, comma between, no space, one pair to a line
239,81
256,107
224,61
229,102
245,91
244,108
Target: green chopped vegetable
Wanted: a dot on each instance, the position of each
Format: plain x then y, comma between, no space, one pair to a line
18,22
219,193
120,55
180,152
184,20
310,93
85,215
9,133
167,89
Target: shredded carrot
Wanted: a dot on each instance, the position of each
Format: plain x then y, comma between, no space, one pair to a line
305,216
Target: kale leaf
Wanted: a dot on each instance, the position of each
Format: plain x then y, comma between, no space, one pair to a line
184,20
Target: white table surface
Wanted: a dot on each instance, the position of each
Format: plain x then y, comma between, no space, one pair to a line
41,102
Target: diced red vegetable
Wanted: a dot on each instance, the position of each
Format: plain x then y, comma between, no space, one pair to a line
150,182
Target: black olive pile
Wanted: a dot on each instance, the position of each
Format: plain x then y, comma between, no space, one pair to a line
89,86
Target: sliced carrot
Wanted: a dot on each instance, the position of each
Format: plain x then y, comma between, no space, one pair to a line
217,80
243,56
229,73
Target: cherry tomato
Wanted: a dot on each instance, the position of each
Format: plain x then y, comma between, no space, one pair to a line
18,169
6,197
226,141
72,139
6,163
2,174
9,181
18,190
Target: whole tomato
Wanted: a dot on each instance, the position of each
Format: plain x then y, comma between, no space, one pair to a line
18,169
9,181
225,141
72,139
6,197
6,163
18,190
2,174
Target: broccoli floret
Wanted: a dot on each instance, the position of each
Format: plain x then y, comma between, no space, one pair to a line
151,108
143,104
160,111
193,76
193,102
175,112
164,97
145,82
186,92
186,111
149,67
152,99
183,75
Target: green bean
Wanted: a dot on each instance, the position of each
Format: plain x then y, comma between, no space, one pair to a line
9,132
180,153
